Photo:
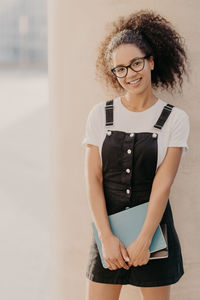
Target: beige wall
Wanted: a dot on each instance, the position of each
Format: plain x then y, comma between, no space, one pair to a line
75,28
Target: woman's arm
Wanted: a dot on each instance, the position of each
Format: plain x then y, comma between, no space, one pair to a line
95,193
160,191
115,253
139,249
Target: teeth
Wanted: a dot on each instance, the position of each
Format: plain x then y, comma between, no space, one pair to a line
135,81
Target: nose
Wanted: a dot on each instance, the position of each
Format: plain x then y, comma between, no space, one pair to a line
130,70
131,73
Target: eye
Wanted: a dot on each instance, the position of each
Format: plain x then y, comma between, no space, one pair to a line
137,62
120,69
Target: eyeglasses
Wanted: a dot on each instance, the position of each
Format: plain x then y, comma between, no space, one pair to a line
136,65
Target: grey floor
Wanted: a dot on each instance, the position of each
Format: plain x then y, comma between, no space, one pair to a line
24,202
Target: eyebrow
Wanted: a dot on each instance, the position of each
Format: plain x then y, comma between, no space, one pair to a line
135,58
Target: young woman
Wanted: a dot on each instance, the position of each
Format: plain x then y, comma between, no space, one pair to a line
135,143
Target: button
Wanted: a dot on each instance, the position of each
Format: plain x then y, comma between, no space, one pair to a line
131,134
154,135
127,207
129,151
128,170
109,132
128,191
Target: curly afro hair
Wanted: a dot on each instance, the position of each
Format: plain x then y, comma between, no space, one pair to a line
153,35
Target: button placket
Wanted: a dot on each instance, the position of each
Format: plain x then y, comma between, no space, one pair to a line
127,162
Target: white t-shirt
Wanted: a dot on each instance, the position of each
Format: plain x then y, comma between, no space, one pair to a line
174,132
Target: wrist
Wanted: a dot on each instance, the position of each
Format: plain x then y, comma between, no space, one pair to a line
104,236
146,233
145,238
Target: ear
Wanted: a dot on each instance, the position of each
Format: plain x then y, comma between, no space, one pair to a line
151,61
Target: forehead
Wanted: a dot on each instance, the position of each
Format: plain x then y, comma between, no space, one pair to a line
124,53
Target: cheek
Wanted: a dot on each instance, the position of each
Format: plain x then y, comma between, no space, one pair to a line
146,78
121,82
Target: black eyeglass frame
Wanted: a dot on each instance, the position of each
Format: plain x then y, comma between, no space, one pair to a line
129,66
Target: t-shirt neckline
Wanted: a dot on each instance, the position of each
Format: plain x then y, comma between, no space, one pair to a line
137,112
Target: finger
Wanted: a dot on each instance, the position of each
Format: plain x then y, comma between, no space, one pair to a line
124,253
144,261
110,265
113,264
138,262
143,256
130,263
147,255
123,264
116,263
124,258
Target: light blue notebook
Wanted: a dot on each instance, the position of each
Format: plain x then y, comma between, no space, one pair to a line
126,225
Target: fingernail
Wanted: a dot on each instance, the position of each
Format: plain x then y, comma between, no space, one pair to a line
127,259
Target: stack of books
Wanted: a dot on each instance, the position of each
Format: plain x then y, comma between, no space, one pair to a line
127,225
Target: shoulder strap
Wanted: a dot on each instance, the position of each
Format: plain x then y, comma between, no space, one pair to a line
159,124
163,116
109,112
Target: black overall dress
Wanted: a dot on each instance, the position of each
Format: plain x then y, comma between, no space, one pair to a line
129,162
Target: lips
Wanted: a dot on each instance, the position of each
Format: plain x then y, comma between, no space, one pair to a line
134,80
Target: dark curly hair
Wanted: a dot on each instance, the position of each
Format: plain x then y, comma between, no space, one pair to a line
152,34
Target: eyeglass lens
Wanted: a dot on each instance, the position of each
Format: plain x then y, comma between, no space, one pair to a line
136,65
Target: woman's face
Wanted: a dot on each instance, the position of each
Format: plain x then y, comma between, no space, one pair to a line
123,55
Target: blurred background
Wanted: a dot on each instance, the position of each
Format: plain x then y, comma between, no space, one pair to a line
24,215
26,259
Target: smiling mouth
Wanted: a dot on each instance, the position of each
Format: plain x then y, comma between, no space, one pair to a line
135,81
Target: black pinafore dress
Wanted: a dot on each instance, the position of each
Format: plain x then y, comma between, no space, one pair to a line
129,162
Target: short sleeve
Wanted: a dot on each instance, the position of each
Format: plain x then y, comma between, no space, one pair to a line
180,129
93,127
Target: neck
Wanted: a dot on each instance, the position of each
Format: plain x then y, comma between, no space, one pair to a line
138,102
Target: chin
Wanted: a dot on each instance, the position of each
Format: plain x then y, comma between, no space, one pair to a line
136,91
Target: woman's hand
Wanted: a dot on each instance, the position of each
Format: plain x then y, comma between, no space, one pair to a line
114,253
139,251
